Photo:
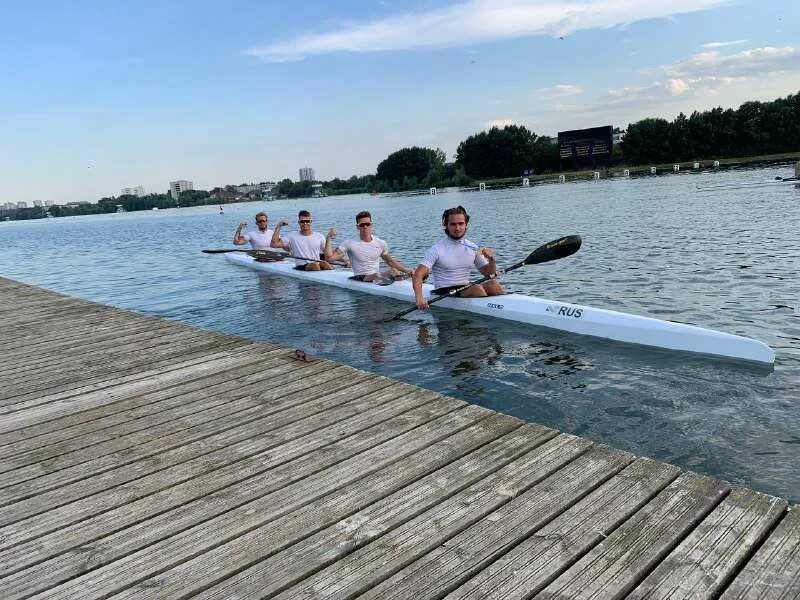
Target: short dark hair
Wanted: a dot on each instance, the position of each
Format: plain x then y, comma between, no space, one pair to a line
303,213
458,210
262,214
364,214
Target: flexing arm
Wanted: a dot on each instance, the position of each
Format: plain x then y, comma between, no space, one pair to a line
416,281
490,269
276,241
330,253
238,238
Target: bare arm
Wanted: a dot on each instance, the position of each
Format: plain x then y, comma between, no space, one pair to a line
330,253
238,238
416,281
396,264
276,241
488,270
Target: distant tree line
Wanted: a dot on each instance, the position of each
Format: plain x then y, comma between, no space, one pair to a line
755,128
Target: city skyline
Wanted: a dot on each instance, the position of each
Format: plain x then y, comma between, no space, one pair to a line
100,96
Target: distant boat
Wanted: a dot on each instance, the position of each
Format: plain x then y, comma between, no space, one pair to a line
120,208
221,210
154,208
374,193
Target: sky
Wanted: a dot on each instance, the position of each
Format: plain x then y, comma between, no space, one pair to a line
99,95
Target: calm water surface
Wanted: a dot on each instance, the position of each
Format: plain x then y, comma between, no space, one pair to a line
657,246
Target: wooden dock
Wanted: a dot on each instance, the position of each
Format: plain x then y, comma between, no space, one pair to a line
142,458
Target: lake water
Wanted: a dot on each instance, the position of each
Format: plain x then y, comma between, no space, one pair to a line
658,246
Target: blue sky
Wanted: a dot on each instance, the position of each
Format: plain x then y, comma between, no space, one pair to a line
98,96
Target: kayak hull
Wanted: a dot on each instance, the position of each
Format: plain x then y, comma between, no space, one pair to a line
563,316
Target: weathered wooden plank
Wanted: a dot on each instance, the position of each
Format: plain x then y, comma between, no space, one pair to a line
774,572
196,424
70,400
153,342
52,490
713,553
619,563
244,550
58,329
136,524
40,356
218,483
237,407
134,567
47,324
529,567
18,397
99,423
19,345
309,555
91,359
189,410
95,404
38,311
447,566
357,572
20,391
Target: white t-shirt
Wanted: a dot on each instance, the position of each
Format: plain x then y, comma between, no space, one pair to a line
258,240
307,246
365,256
450,261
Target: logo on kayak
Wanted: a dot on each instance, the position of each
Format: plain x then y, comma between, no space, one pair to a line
493,305
565,311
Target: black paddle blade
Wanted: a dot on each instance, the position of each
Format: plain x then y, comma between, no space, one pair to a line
554,250
221,250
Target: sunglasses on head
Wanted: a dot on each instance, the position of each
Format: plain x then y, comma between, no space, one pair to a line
362,225
304,221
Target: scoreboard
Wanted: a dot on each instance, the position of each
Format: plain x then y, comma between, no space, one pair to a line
585,148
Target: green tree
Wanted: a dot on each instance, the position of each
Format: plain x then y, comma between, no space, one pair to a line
505,152
409,163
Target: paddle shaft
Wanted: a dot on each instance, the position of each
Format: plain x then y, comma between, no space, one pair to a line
462,288
267,254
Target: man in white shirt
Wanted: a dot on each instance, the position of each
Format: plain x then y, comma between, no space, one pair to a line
307,246
259,238
450,260
365,253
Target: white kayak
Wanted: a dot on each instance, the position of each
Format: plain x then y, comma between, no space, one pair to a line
563,316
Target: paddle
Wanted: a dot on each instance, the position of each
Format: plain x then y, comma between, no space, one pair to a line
554,250
266,254
221,250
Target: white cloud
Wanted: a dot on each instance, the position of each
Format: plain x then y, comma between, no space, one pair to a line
677,87
724,44
756,61
500,123
475,21
560,91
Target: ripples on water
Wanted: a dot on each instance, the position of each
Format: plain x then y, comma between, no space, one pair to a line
725,259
